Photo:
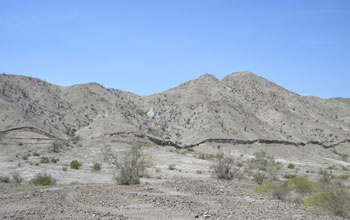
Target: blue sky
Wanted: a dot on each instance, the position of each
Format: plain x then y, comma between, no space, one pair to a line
149,46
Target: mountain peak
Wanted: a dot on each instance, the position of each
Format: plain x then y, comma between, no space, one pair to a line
241,74
207,77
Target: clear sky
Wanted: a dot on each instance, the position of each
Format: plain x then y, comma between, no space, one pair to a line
149,46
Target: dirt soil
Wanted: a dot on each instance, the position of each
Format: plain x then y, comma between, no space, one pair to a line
180,199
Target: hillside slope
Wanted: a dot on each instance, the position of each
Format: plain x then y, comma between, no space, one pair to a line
241,105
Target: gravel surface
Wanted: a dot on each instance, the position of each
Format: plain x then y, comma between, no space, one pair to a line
181,199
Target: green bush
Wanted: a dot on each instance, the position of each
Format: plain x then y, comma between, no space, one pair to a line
276,190
334,198
96,167
75,164
131,167
266,187
43,180
301,185
291,166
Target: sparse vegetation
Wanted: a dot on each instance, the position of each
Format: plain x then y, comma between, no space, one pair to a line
25,157
44,160
259,177
291,166
56,147
199,171
289,176
131,167
264,163
171,167
301,185
75,164
325,176
54,160
96,167
205,156
17,178
344,157
5,179
333,197
25,93
43,180
327,194
223,168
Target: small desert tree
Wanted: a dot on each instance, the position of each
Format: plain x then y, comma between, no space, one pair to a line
265,163
130,167
224,168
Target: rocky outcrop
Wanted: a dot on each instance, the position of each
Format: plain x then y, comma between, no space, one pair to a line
161,142
37,131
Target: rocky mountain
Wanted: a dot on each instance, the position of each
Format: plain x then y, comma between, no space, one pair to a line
241,105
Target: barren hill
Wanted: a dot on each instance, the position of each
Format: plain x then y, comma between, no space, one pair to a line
241,105
44,128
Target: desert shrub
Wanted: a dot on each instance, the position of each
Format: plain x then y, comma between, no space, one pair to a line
171,167
5,179
205,156
291,166
266,187
344,157
259,177
25,157
96,167
43,180
276,190
25,93
36,154
223,168
190,150
324,176
289,176
344,177
280,191
70,131
334,198
75,164
301,185
266,163
131,167
44,160
57,146
54,160
17,178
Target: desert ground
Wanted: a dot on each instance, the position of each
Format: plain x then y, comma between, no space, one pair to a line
183,135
